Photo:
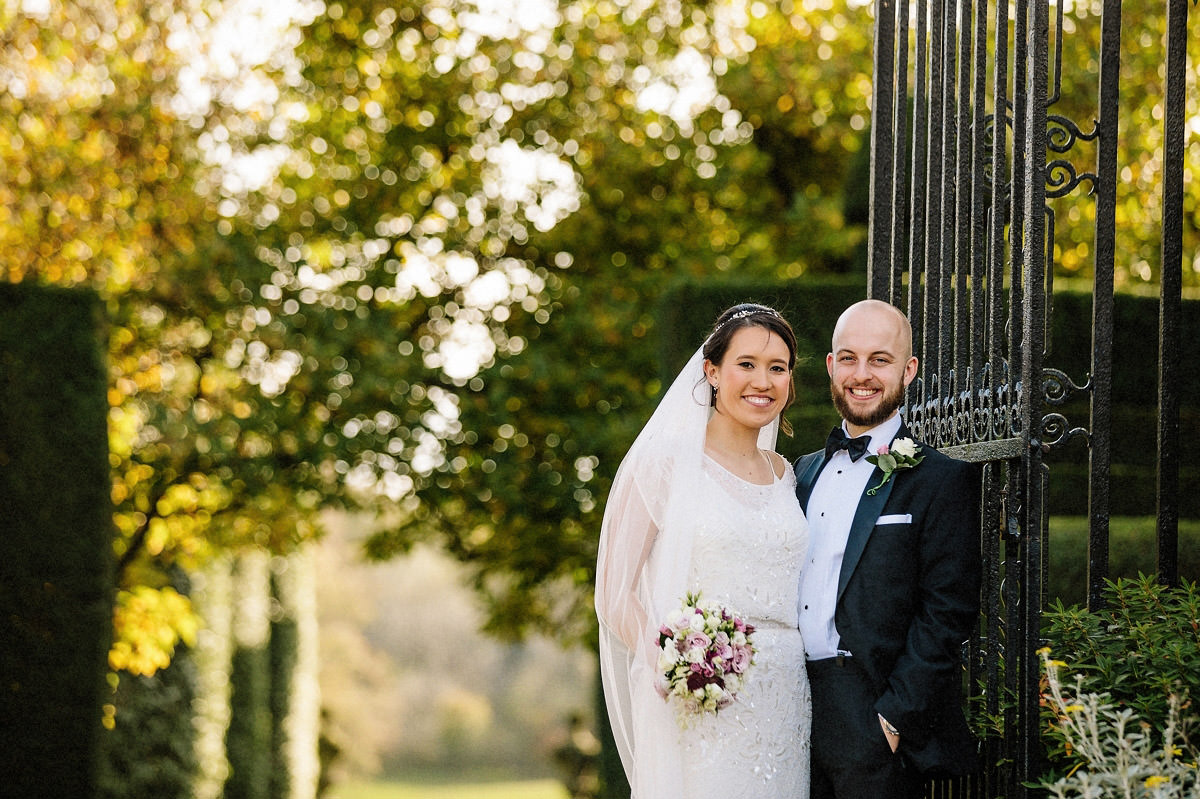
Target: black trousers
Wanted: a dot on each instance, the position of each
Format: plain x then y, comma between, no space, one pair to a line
851,758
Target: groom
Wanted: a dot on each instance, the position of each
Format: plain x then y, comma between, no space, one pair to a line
890,589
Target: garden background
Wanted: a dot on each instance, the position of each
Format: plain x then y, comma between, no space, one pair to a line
411,273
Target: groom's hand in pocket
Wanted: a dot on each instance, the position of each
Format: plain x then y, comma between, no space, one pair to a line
893,738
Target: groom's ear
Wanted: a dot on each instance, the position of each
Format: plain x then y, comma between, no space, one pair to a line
910,370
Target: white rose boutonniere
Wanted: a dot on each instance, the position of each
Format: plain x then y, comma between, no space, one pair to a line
903,454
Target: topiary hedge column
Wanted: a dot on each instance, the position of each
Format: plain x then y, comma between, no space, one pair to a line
56,571
248,739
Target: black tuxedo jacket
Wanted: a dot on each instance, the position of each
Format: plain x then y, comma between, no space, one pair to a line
908,597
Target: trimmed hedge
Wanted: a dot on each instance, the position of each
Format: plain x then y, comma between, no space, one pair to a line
56,570
1131,543
1134,405
813,306
248,737
151,751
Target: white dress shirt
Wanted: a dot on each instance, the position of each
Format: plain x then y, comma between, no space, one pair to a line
831,507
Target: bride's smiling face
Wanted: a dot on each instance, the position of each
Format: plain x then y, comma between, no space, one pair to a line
753,378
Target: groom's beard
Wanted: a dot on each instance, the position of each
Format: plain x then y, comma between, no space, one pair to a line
891,399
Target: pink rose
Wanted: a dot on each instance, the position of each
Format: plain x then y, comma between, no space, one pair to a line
741,659
883,450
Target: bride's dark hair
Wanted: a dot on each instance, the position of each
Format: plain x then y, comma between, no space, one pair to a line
749,314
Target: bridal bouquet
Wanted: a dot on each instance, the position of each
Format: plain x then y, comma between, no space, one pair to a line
705,651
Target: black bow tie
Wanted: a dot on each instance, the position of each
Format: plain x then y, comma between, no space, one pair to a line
855,447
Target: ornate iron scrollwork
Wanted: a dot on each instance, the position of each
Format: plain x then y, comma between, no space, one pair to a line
1058,387
1056,431
1057,390
1062,133
1062,178
985,409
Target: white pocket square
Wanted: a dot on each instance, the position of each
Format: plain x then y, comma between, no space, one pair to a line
895,518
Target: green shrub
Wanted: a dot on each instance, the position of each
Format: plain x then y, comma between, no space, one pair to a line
1136,656
1117,752
1141,648
1142,652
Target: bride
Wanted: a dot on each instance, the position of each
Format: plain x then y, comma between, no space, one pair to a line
702,503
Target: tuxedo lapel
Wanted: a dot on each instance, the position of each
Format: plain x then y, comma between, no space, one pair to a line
867,513
869,508
807,470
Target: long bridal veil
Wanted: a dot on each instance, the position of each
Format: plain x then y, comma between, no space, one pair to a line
641,573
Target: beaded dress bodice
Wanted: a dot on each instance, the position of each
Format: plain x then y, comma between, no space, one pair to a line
750,543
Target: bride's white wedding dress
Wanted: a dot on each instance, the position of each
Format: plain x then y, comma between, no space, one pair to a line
750,541
677,522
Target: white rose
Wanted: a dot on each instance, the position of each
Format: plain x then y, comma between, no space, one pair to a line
904,447
694,655
668,656
675,619
697,623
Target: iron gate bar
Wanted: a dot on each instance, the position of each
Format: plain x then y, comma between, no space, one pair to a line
938,340
964,240
1034,280
978,182
935,166
880,198
1170,297
1000,189
961,235
901,182
1100,420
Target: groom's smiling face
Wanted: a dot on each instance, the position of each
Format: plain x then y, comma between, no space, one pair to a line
871,364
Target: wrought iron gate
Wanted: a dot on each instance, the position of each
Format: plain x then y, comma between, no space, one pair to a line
967,158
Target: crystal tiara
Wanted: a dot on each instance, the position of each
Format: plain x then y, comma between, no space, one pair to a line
749,312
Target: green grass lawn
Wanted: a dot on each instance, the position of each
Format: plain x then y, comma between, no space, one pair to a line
529,789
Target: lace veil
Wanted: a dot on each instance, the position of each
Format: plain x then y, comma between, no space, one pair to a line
642,571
